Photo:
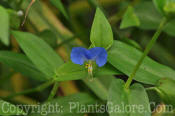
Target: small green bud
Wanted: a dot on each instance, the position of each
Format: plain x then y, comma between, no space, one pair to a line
166,7
166,90
169,9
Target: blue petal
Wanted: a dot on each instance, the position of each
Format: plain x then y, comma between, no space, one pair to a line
78,55
98,54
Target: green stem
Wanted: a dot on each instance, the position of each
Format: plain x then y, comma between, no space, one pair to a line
39,88
150,88
146,51
160,93
53,92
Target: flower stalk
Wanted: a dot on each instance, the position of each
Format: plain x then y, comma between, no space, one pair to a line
146,51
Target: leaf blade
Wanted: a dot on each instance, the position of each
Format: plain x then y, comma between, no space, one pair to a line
122,98
101,32
67,103
4,28
71,71
39,52
21,63
125,57
142,99
117,96
58,4
129,19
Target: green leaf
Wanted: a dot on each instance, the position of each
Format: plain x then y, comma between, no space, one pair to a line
107,69
68,105
4,26
116,96
49,37
101,32
21,63
58,4
97,87
39,52
138,96
129,19
124,58
6,109
121,101
104,76
132,43
71,71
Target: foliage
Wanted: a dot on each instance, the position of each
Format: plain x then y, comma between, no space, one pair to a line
87,57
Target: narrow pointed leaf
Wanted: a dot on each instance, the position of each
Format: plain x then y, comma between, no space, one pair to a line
22,64
101,32
4,26
58,4
39,52
129,19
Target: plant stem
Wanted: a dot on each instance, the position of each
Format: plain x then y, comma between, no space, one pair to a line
39,88
150,88
146,51
53,92
27,11
155,89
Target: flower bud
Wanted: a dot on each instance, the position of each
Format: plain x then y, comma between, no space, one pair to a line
166,7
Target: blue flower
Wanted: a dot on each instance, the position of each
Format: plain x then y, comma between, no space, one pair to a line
98,54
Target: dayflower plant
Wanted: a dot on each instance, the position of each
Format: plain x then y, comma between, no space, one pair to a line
80,55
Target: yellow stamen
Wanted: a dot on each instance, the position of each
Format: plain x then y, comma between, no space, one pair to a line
90,68
87,65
